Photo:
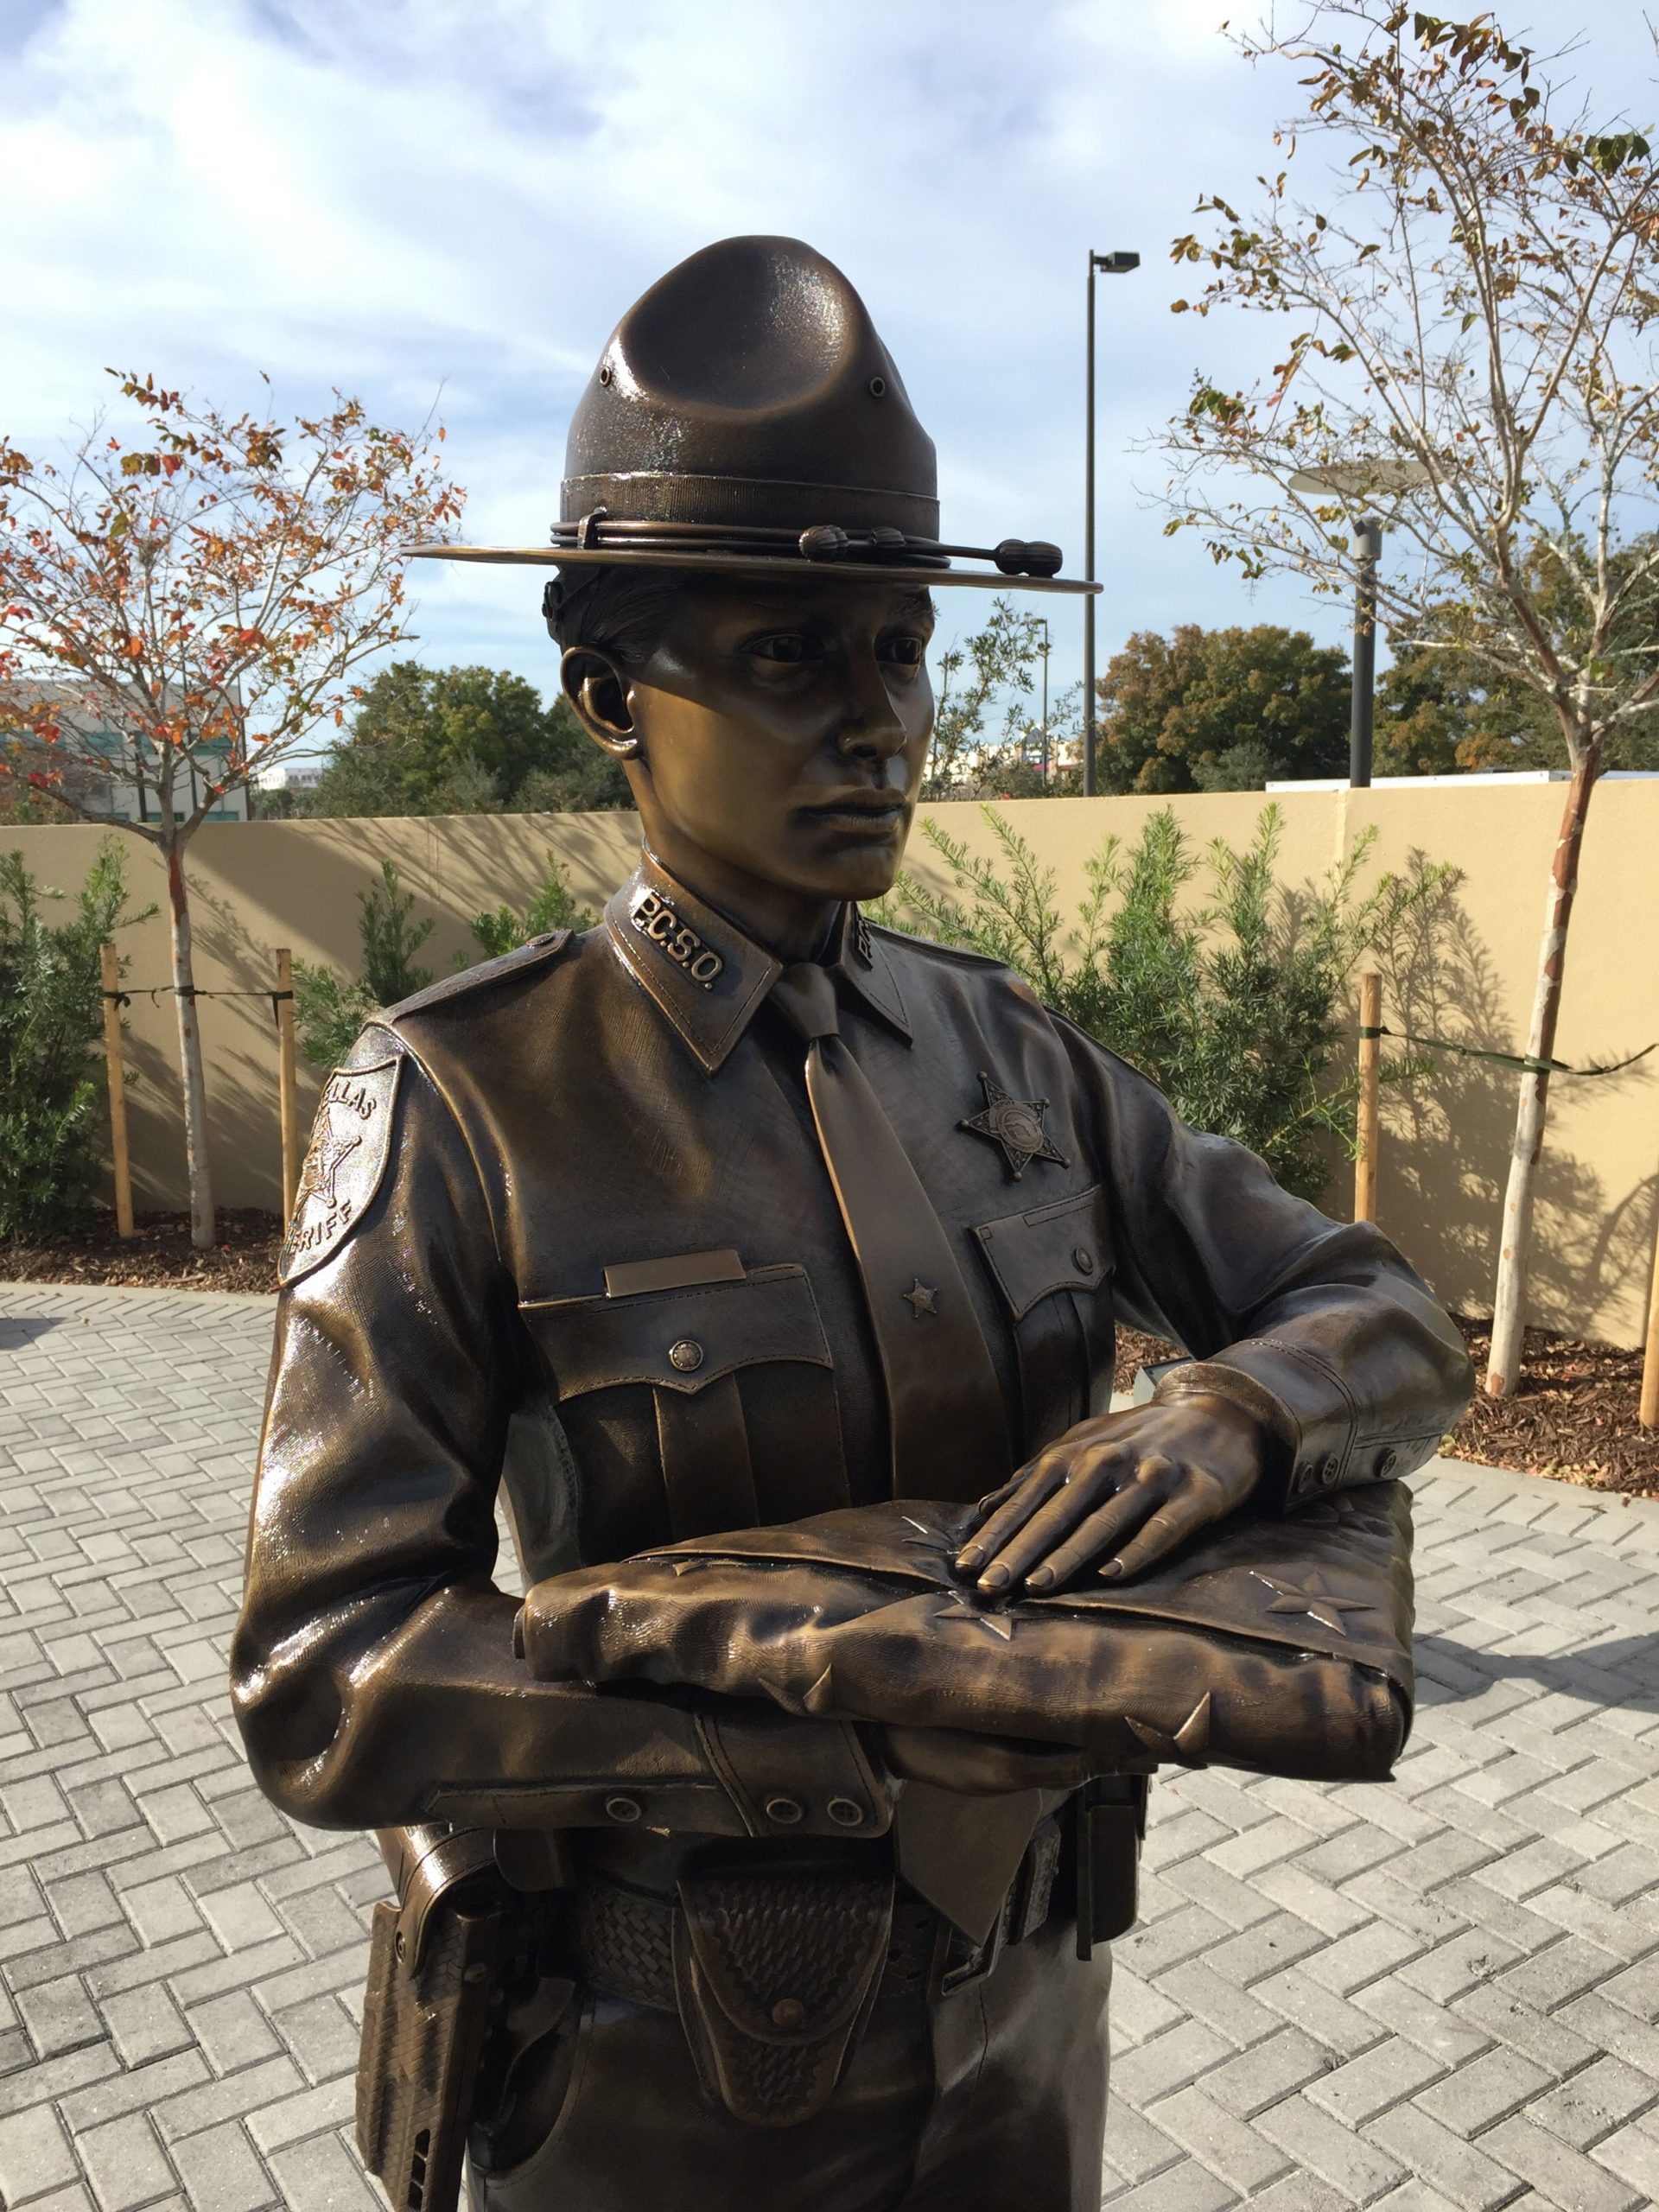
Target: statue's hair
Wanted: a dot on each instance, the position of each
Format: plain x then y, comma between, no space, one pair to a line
620,611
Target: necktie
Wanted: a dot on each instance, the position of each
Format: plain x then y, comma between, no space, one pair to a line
949,1429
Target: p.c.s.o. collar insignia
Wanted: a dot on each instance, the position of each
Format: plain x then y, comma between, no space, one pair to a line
653,915
351,1140
1016,1124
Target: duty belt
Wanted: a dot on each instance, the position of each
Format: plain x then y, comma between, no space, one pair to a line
625,1937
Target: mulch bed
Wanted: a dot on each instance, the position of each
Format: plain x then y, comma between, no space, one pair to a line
159,1257
1573,1416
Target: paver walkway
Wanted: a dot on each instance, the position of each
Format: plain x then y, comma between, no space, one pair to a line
1440,1993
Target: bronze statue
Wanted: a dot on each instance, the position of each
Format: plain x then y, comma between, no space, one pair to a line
766,1855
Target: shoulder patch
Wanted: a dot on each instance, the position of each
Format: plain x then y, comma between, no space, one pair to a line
350,1141
515,962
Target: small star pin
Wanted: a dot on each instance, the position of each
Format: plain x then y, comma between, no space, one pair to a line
1014,1123
922,1298
1314,1599
962,1609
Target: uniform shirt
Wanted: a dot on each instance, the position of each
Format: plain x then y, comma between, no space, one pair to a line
566,1226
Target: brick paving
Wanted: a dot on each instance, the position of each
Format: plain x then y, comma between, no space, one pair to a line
1442,1994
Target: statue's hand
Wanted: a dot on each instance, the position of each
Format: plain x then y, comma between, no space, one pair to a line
1115,1494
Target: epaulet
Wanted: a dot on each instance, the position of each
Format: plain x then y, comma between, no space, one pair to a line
913,942
536,954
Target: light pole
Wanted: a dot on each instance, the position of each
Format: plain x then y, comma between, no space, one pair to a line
1114,265
1368,545
1038,622
1361,480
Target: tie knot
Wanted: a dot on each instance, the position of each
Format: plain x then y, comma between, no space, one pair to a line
806,997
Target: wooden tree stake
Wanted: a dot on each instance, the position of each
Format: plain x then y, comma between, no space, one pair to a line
116,1071
285,1092
1648,1413
1371,1054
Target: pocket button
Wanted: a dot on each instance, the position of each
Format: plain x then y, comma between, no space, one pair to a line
686,1355
1083,1260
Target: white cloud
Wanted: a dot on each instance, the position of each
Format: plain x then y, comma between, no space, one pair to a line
400,196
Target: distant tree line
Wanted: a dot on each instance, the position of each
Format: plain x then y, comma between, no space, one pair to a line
457,741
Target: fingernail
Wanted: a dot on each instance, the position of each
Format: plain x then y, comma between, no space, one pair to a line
1112,1569
994,1578
1040,1577
971,1560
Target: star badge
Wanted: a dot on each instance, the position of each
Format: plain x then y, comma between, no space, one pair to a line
1016,1124
921,1297
1312,1599
328,1154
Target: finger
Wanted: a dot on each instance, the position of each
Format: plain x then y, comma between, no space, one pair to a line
988,1504
1088,1481
1031,1489
1135,1500
1093,1539
1172,1525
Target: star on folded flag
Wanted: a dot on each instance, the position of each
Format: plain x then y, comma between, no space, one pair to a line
1312,1598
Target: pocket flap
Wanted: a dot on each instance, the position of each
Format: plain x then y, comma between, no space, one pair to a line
1065,1246
679,1339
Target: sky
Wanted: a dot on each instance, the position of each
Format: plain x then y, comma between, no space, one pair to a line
444,205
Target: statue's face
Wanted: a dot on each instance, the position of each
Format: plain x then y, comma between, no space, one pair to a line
781,730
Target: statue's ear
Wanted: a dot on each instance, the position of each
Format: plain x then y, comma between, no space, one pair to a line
599,694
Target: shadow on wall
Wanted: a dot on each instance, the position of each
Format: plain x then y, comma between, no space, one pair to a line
1447,1137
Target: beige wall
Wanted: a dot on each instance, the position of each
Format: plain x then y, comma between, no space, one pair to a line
259,884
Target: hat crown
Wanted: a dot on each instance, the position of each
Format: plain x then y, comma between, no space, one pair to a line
749,384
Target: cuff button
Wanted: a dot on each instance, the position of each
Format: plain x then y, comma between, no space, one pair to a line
784,1812
1387,1463
1329,1471
845,1812
623,1809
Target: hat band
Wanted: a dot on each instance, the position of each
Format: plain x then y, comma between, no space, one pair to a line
766,502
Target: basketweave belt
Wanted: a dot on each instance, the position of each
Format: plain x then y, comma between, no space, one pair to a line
625,1937
774,1976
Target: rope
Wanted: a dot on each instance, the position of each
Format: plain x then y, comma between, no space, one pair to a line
154,991
1507,1059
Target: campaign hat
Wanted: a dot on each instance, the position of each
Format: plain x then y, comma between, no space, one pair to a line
746,416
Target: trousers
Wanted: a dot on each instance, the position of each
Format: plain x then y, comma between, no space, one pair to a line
992,2097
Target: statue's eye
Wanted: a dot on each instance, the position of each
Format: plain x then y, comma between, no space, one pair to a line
789,646
908,650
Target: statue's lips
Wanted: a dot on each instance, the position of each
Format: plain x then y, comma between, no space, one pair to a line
860,813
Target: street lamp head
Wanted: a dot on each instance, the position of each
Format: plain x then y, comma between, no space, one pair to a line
1115,264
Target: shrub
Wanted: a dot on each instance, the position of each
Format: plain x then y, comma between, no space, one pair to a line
1234,1008
552,908
51,1022
328,1011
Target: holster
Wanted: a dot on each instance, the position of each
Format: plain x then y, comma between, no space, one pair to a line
1110,1826
775,1973
436,1960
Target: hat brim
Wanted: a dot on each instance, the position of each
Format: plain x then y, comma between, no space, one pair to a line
744,564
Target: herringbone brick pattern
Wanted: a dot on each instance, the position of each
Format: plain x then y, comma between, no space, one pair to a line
1444,1993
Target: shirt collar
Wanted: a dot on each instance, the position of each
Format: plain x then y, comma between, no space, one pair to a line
707,977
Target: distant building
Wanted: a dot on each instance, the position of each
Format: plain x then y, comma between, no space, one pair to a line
122,796
290,776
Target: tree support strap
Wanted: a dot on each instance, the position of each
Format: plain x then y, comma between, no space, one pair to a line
1506,1059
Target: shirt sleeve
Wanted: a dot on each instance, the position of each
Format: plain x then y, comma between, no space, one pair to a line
373,1675
1317,1327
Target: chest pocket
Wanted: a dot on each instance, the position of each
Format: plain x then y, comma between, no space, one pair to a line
1053,1267
700,1379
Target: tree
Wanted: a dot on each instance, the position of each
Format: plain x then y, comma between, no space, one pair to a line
464,740
328,1010
1216,710
179,610
1471,297
996,660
